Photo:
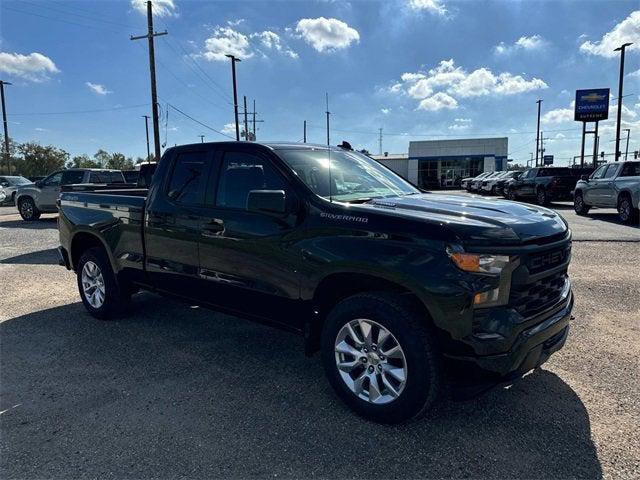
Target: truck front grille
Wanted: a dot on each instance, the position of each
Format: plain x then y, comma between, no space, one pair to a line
534,298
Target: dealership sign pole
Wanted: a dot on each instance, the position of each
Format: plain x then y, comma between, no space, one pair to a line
591,106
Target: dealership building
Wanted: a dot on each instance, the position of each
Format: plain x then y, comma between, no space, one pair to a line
444,163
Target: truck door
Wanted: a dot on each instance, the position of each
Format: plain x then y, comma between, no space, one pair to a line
528,183
245,264
175,210
606,188
591,190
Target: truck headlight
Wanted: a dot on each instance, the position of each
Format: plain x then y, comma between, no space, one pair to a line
479,262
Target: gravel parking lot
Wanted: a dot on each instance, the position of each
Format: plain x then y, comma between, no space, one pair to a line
179,391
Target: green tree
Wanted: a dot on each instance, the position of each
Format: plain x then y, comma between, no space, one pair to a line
119,162
39,159
102,157
13,158
82,161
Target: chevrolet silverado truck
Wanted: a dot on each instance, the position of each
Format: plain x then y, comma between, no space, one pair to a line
613,185
40,197
543,184
398,289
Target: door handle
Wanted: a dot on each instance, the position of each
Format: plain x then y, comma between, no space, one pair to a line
212,228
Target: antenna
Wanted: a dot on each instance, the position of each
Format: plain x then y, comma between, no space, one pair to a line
329,151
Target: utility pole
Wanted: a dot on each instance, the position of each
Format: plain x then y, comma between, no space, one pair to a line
254,120
626,150
146,128
620,49
7,156
304,132
328,113
235,91
380,140
152,69
201,138
246,120
539,102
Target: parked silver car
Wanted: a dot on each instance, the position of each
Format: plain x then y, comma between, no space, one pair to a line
611,185
32,200
9,184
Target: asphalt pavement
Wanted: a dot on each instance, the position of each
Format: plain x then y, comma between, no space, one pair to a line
173,390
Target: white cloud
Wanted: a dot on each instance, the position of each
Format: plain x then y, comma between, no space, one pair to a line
161,8
626,31
437,102
455,82
235,23
559,115
97,88
229,129
462,120
226,40
461,124
326,34
534,42
272,41
385,111
635,74
34,67
432,6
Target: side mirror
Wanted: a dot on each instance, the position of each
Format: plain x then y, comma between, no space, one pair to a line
584,177
38,184
267,201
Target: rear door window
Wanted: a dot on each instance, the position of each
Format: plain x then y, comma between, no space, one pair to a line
187,185
631,169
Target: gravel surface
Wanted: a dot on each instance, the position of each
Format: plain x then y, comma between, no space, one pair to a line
178,391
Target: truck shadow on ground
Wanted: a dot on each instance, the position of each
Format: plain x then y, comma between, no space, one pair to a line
40,257
42,224
179,391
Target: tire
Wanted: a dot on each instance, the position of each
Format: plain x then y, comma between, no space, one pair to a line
579,206
28,210
541,197
626,212
510,194
108,299
493,190
420,362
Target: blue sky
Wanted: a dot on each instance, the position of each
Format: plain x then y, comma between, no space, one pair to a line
416,68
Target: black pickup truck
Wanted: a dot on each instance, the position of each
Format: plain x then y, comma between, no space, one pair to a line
542,184
397,288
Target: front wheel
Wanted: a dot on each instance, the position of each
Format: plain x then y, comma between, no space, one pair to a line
626,212
28,210
380,358
579,206
541,197
101,294
511,194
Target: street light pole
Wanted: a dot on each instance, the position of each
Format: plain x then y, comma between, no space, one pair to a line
201,138
539,102
7,156
235,92
626,150
620,49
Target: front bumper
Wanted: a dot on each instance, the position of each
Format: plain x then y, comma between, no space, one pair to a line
531,344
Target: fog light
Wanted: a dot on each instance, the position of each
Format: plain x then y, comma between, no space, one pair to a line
486,297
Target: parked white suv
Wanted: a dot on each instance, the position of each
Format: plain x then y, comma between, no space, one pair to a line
40,197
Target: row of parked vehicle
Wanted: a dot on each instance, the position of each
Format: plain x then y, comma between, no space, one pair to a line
612,185
36,197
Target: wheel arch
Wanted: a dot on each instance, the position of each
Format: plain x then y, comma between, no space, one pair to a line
336,286
82,241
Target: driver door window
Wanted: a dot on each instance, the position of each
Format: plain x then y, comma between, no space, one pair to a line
53,180
598,173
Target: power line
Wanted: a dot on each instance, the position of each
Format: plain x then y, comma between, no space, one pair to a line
4,7
199,122
74,112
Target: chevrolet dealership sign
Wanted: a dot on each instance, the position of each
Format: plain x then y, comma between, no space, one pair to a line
592,105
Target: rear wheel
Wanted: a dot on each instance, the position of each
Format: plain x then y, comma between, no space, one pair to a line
626,212
511,194
380,358
28,210
579,206
101,294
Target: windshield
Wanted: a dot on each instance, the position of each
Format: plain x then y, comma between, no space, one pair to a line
353,176
17,181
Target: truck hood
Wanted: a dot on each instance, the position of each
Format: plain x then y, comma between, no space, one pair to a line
477,219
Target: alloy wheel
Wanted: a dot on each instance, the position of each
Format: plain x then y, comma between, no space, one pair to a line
624,209
26,208
370,361
93,284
